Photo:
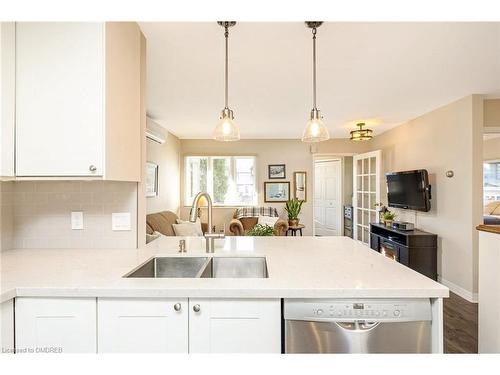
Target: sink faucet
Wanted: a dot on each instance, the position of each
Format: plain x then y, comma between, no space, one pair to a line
210,236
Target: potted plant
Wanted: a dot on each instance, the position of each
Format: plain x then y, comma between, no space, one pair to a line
261,230
293,207
388,218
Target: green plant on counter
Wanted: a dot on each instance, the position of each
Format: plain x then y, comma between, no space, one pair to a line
261,230
388,215
293,207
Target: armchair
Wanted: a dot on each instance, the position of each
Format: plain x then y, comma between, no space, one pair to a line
239,227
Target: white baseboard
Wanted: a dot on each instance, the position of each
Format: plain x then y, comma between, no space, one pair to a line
464,293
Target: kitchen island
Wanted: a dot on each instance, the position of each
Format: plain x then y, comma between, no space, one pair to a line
297,268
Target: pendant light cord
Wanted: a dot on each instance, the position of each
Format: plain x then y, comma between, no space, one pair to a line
314,67
226,35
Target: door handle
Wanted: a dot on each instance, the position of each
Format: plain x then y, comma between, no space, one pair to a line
196,308
357,325
177,307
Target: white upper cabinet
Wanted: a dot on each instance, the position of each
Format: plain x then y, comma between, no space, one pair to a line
234,326
7,94
78,100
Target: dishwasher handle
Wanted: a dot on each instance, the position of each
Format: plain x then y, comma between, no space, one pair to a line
357,325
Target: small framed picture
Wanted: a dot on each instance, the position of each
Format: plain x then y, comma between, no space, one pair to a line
276,171
276,191
151,180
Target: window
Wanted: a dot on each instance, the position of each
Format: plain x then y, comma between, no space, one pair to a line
230,180
491,181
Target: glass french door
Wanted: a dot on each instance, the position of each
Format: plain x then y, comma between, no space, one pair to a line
366,193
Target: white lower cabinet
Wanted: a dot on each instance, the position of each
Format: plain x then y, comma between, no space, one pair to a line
234,326
66,325
147,325
142,325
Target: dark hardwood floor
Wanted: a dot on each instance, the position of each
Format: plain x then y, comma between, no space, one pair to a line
460,325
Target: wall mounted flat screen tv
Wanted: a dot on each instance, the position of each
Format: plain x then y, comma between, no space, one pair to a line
409,189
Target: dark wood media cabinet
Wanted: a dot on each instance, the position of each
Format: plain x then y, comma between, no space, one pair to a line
414,248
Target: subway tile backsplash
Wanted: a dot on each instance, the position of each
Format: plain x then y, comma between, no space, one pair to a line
38,214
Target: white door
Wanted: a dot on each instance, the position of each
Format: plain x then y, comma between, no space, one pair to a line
328,198
59,99
234,326
142,325
366,193
65,324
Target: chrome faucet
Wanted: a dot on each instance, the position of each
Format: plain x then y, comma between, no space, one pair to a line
210,236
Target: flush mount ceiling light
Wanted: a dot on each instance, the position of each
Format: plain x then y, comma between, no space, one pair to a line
226,130
315,130
361,134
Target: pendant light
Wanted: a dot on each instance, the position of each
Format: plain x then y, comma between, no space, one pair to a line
361,134
226,130
315,130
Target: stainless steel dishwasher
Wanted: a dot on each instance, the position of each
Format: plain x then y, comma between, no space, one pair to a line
357,326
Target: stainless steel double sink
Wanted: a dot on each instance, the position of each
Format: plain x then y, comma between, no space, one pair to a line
202,267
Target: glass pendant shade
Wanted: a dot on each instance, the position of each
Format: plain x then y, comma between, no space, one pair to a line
226,130
361,134
315,130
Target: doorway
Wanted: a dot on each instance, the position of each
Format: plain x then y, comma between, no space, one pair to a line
327,200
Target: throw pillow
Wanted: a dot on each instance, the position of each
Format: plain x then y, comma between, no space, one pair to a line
187,230
152,237
267,220
197,224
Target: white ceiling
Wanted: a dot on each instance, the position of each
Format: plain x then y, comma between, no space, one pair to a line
383,73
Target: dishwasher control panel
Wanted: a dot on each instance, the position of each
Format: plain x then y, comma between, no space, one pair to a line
355,310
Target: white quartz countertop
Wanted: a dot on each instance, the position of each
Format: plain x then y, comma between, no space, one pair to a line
298,267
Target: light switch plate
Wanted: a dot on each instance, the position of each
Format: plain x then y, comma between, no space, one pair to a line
120,221
77,220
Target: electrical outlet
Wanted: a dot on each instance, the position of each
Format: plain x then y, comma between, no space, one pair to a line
77,220
120,221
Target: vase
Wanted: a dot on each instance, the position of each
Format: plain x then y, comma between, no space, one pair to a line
293,222
388,223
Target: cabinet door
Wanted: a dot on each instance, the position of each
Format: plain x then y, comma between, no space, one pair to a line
7,95
142,325
66,325
234,326
7,325
59,99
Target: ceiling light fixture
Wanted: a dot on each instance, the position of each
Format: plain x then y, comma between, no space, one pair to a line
226,130
361,134
315,130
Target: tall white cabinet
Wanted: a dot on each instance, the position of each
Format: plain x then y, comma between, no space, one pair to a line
78,100
7,95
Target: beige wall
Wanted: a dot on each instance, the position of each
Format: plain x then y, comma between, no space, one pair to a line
167,156
448,138
295,154
491,149
492,113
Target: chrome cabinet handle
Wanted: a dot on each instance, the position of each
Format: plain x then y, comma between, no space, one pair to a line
196,308
92,168
177,307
